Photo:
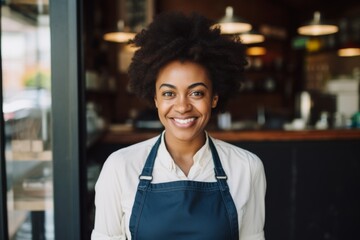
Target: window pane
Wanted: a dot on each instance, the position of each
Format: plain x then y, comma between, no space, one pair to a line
25,59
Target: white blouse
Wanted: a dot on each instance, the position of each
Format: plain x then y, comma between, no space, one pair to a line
117,185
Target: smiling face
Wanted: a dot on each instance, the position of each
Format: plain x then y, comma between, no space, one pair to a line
184,98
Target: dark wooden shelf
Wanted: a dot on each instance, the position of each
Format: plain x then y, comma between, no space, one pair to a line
130,137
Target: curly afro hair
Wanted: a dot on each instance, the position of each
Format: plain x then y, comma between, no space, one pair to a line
176,36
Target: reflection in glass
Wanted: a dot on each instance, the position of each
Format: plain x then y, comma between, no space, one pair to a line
25,59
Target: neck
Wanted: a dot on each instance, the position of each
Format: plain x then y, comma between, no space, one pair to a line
187,147
182,152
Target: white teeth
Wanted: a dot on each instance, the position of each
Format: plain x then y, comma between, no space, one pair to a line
184,121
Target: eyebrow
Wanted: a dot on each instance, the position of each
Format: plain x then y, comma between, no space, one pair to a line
190,87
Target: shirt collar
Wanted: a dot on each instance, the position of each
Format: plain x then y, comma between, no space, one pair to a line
201,157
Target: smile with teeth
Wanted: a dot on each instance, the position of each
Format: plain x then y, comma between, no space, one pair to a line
184,121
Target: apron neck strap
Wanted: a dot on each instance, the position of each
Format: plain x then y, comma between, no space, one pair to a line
146,175
219,171
149,164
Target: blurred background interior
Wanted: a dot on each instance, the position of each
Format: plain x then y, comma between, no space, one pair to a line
298,108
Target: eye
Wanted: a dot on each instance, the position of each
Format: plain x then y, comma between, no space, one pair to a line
167,94
197,93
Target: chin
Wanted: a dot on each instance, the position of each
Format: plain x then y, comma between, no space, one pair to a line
186,134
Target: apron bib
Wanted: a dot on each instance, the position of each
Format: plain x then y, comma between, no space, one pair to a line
183,209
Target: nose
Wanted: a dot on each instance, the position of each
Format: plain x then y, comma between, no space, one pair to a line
182,105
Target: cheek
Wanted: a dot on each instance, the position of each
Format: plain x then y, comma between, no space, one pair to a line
163,106
204,107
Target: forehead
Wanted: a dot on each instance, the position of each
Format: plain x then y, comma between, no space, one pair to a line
180,73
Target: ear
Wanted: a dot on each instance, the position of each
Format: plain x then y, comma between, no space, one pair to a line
214,101
155,101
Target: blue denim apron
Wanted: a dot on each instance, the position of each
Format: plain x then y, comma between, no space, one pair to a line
183,209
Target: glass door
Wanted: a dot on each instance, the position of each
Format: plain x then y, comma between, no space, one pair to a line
26,105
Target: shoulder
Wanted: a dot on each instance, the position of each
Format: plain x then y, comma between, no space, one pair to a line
130,156
135,148
236,157
244,169
121,169
233,150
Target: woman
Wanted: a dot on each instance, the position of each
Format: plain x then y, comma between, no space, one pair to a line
182,184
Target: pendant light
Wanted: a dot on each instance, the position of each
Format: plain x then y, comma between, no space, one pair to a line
349,38
121,35
349,51
256,51
252,37
231,24
317,27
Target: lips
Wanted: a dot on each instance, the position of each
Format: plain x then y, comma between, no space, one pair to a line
184,122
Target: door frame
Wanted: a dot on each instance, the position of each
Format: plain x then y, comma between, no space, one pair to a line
67,118
68,124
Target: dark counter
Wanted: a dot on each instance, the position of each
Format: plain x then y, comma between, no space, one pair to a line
130,137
